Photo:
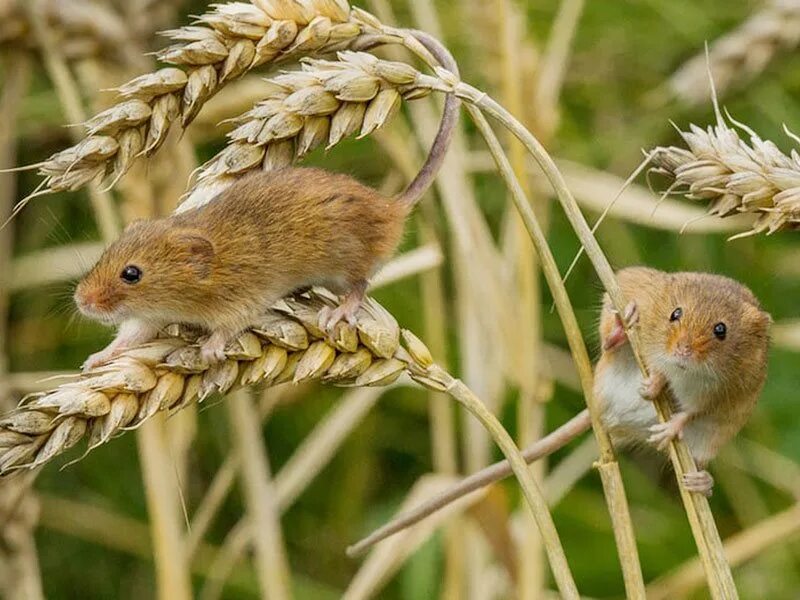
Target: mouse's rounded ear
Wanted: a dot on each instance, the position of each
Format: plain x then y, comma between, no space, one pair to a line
194,248
757,315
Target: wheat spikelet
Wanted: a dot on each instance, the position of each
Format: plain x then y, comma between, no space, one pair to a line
168,374
320,105
734,175
740,55
223,44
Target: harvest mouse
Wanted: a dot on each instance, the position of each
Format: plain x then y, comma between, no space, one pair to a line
705,338
221,265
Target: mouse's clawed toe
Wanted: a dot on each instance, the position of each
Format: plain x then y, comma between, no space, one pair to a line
346,311
652,386
630,316
618,336
99,358
330,317
661,434
213,349
700,482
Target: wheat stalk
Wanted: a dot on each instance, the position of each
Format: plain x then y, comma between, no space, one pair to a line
322,103
740,55
735,175
225,43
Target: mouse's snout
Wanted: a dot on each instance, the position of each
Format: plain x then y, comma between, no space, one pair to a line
93,302
685,347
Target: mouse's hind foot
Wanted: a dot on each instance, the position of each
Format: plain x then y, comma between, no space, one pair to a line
700,482
329,317
212,350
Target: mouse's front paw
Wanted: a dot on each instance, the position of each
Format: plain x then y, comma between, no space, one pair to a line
700,482
618,335
652,386
661,434
99,358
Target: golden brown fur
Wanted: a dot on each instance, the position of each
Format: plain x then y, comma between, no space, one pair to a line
268,234
715,381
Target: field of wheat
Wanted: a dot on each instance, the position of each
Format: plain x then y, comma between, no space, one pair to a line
274,473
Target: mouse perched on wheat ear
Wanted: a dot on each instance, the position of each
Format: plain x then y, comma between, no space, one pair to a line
704,338
223,264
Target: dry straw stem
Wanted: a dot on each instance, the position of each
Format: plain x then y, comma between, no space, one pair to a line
739,548
163,503
608,467
700,518
531,574
735,176
223,44
592,188
262,510
740,55
318,106
19,564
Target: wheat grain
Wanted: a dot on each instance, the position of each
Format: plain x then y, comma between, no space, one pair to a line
740,55
735,175
223,44
321,104
168,374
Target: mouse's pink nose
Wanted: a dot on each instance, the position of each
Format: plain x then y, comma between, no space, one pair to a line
683,349
89,299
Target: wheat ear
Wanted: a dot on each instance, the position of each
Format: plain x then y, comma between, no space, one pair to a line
168,374
740,55
735,175
230,40
321,104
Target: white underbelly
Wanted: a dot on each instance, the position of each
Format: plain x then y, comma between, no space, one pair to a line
625,413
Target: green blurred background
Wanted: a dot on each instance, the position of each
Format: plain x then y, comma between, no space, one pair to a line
622,52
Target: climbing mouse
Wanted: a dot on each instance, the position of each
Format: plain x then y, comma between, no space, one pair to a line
703,337
223,264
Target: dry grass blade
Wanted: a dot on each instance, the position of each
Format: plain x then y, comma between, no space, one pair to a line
320,105
223,44
734,175
740,55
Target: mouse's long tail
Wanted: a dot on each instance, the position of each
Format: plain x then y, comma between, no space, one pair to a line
436,154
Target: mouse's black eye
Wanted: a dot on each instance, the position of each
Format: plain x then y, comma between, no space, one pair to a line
131,274
720,330
676,314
